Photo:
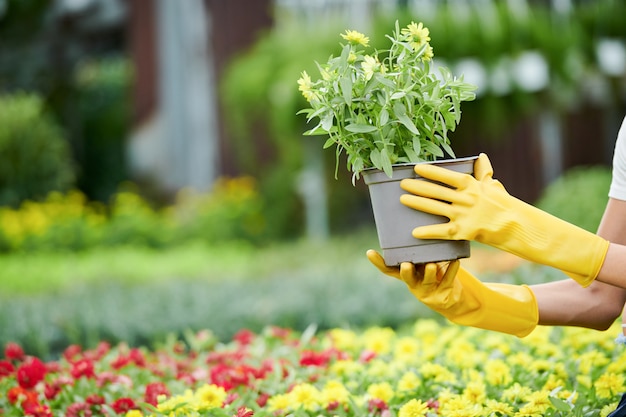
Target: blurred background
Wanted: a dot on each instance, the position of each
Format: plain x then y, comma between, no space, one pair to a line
156,125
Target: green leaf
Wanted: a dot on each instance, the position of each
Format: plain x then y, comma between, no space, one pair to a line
329,142
360,128
560,405
327,121
412,156
375,158
408,123
400,111
432,148
446,147
346,89
417,145
383,117
386,162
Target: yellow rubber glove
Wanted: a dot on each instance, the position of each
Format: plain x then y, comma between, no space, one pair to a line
480,209
457,295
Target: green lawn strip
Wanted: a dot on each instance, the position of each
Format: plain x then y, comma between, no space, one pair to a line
40,273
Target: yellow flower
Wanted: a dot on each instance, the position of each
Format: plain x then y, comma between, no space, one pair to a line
609,385
343,339
608,409
553,382
461,407
584,380
516,393
305,85
475,392
414,408
406,349
346,368
178,403
382,391
590,360
497,372
538,403
428,53
371,65
355,38
416,34
437,372
493,407
380,369
409,382
306,396
378,339
210,396
134,413
334,392
278,402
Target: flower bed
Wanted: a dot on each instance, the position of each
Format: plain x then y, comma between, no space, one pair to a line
427,369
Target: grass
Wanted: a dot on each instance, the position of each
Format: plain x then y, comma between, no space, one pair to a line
138,295
42,273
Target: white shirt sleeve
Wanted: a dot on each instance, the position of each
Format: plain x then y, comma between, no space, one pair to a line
618,181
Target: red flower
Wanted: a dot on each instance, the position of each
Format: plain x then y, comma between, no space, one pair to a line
94,399
51,391
367,355
14,352
376,405
102,349
280,333
83,367
123,405
153,390
78,410
244,412
71,352
137,357
312,358
120,362
19,394
261,400
53,367
244,337
36,410
31,372
6,368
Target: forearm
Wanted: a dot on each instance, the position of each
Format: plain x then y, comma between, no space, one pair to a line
613,269
565,303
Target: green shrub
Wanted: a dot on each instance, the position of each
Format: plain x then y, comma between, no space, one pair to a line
579,196
104,109
233,210
34,155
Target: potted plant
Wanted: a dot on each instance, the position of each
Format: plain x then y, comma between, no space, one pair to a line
386,111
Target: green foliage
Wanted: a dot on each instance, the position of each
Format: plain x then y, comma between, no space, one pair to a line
260,100
579,196
231,211
138,296
34,155
385,107
103,112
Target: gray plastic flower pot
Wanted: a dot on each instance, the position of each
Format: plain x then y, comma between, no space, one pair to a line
395,221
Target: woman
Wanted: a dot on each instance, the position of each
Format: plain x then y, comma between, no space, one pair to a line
479,208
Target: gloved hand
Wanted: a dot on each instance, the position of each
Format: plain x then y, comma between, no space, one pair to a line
454,293
479,208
